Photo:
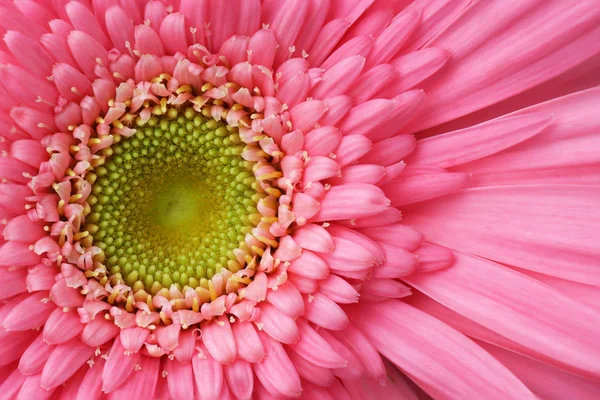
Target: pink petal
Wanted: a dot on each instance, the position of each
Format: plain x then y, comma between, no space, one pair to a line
147,41
279,326
314,237
545,381
424,187
208,375
34,358
328,37
99,331
29,52
30,313
444,362
173,33
395,234
276,372
543,52
523,308
140,383
432,257
286,25
62,326
313,348
393,37
64,361
324,312
218,338
477,142
118,367
287,299
309,265
120,28
338,290
91,386
350,201
311,372
535,235
249,345
358,343
240,378
339,78
414,68
180,378
83,20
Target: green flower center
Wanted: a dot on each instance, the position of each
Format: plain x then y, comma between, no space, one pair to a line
173,202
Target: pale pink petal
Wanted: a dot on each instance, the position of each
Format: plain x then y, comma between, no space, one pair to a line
239,378
530,54
473,286
536,235
276,324
180,379
208,375
443,362
314,349
218,338
324,312
276,372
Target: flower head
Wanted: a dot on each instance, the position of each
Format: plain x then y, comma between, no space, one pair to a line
209,200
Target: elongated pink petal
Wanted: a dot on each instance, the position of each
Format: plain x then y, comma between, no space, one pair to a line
172,33
488,288
64,361
535,235
358,343
311,372
338,289
32,361
424,187
350,201
99,331
393,37
471,144
286,25
441,372
218,338
541,54
413,68
313,348
328,37
120,28
29,53
239,378
324,312
339,78
30,313
249,345
276,372
62,326
279,326
180,379
91,386
118,367
543,380
287,299
141,382
310,265
208,375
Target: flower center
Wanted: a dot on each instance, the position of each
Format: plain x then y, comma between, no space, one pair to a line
173,202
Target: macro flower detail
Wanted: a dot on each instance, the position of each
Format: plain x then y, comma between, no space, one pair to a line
321,199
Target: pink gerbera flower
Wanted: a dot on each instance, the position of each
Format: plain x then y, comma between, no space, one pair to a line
325,199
